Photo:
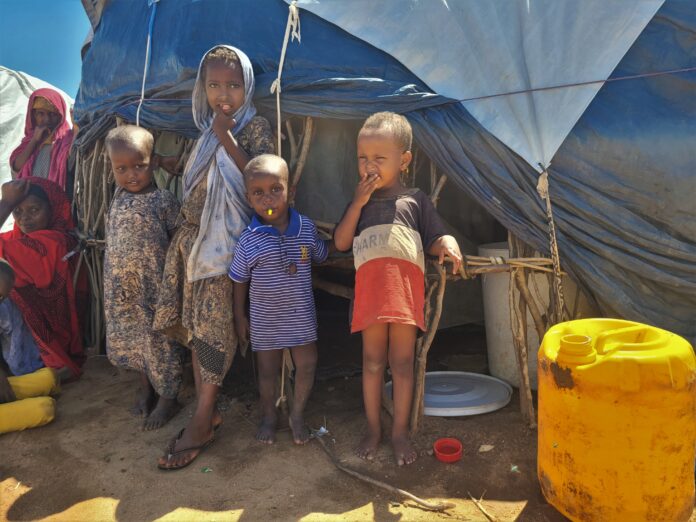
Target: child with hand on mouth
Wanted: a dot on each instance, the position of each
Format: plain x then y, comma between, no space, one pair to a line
273,265
140,223
195,297
390,228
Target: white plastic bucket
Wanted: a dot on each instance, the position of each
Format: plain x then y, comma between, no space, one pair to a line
502,362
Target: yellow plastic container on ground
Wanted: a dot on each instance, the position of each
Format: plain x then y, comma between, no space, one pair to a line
33,407
617,421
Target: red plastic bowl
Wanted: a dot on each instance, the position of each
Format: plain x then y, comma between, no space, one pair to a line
448,450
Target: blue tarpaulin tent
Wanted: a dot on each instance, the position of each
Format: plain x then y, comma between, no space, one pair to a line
623,180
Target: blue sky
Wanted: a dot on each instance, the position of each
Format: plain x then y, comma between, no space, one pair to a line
43,38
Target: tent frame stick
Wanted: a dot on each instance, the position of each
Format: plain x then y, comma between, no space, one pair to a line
557,284
518,325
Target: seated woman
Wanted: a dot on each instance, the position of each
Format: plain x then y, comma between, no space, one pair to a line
43,291
25,400
45,148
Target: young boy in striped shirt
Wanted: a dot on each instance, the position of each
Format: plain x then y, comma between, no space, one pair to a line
273,265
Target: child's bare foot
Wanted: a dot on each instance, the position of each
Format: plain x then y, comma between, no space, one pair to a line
267,429
144,402
368,445
163,412
300,431
403,450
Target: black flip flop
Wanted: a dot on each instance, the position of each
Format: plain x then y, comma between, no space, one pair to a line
171,454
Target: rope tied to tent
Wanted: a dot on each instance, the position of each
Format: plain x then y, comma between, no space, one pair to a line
148,47
292,29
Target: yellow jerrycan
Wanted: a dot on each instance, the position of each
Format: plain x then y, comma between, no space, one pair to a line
617,421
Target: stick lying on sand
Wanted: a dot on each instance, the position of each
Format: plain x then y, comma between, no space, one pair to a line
479,504
438,506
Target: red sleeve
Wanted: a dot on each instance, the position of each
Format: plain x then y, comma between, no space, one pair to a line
34,258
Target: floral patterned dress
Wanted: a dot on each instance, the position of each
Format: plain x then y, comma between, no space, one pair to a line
137,236
199,313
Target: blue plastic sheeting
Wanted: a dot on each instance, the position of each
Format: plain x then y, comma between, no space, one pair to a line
622,183
349,77
625,181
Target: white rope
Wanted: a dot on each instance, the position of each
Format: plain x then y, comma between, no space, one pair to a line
294,26
146,67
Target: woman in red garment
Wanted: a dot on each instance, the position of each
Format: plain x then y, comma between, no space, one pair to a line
43,290
45,148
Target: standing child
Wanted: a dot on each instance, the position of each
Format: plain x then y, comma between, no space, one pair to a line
390,228
140,222
273,264
195,301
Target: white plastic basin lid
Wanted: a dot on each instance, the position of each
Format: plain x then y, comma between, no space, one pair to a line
455,394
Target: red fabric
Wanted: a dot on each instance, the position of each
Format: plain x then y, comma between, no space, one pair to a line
43,289
62,140
388,290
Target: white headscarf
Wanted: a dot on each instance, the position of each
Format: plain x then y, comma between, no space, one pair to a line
226,211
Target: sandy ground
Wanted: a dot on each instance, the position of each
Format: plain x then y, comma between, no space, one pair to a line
93,463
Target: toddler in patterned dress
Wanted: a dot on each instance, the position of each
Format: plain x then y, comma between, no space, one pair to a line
140,223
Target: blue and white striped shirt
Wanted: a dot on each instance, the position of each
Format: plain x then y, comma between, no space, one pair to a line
279,266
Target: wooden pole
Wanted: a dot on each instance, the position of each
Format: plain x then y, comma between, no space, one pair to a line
521,283
432,318
518,323
304,150
558,300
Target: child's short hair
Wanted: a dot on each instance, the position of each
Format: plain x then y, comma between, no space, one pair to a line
221,55
267,164
132,137
396,124
6,270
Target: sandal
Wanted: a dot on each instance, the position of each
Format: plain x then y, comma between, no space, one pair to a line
170,446
171,453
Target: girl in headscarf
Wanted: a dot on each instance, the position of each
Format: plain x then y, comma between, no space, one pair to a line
45,148
43,291
195,301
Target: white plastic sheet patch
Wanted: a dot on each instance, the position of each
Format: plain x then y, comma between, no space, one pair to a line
482,50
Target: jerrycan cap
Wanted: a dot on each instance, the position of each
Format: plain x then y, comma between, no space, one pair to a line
576,349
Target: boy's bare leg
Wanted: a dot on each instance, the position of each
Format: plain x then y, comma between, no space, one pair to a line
402,342
305,360
145,399
199,430
375,341
269,369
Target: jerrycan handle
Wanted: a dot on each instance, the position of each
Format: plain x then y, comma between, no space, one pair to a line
603,337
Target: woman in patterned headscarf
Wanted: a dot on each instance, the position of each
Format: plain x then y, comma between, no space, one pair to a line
44,150
195,297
